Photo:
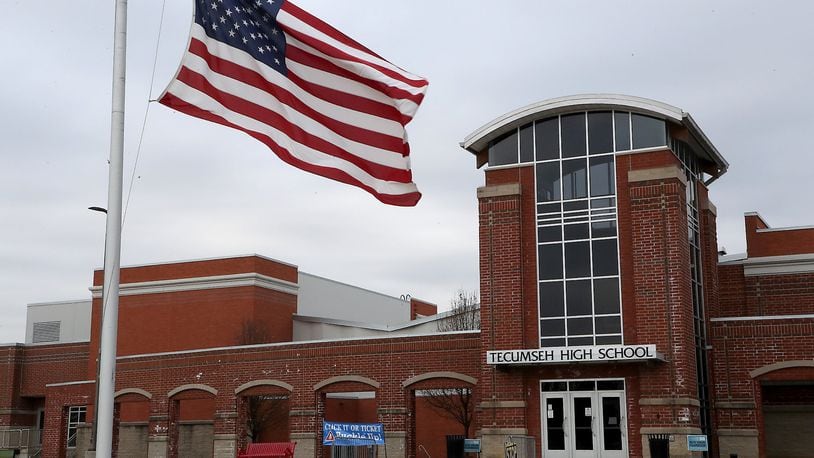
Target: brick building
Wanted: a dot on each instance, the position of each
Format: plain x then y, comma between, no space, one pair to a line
609,325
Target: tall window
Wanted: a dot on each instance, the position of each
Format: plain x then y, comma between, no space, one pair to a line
76,416
577,240
694,175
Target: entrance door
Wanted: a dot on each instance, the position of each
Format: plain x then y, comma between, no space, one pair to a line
611,425
556,423
584,424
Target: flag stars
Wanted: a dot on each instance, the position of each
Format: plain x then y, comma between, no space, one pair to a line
245,40
222,19
214,6
261,50
232,33
274,31
229,12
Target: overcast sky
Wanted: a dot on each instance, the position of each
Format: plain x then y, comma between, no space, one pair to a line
743,69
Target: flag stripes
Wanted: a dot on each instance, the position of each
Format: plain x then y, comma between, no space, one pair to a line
332,108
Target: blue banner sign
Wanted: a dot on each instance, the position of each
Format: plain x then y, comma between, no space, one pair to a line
471,445
352,433
697,443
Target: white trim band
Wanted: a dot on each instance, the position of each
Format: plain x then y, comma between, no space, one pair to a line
201,283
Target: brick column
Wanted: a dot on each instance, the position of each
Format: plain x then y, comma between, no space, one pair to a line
158,428
303,422
501,392
653,226
226,428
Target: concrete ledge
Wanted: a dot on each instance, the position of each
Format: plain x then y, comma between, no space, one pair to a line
737,432
347,378
192,386
501,190
499,431
778,366
303,435
302,413
439,374
657,174
161,438
669,402
395,434
392,411
137,391
670,430
226,414
224,436
502,404
256,383
735,405
710,207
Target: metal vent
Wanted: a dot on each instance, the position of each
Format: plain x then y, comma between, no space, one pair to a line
46,331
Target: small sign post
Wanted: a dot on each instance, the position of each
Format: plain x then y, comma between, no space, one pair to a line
471,445
697,443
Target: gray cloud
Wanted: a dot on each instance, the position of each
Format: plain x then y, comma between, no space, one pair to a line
742,68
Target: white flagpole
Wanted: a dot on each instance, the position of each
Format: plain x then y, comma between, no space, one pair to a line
113,241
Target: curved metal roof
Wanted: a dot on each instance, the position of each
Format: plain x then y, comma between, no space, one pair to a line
479,140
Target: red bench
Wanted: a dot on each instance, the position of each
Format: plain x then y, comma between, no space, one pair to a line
269,450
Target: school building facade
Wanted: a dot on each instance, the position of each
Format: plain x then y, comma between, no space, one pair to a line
610,325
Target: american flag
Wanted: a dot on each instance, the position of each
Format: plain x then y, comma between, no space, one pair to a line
321,101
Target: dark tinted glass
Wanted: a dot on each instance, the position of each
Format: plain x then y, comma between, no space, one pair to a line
581,386
622,121
583,424
648,132
552,328
606,295
577,260
603,203
578,326
574,179
607,385
548,208
549,234
551,299
573,135
608,325
552,342
608,340
577,205
527,143
547,139
611,423
605,257
603,229
602,176
578,294
572,341
548,181
576,231
600,132
555,430
555,386
550,261
503,150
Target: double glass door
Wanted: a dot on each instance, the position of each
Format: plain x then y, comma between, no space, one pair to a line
584,424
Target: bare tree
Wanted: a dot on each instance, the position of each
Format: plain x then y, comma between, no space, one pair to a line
464,314
453,403
265,413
